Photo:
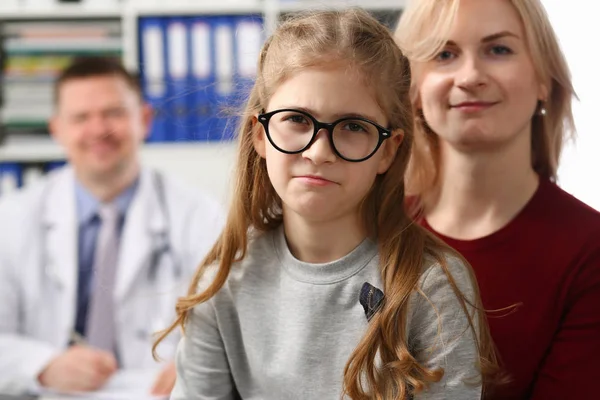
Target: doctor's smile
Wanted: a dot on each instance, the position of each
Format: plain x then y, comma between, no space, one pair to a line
102,147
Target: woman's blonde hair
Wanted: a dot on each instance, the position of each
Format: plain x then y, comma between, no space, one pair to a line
353,39
422,33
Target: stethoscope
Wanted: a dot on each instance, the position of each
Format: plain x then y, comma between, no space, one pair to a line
165,248
162,249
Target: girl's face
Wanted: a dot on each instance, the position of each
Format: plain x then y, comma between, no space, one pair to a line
316,183
481,90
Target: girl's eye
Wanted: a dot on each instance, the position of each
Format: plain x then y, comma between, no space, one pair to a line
297,119
354,127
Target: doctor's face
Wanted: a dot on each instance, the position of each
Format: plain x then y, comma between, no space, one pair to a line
100,121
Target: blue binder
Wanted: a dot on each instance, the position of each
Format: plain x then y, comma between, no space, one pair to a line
152,56
52,165
223,47
202,78
178,72
249,39
10,177
197,73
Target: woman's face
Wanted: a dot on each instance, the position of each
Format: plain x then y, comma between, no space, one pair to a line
481,91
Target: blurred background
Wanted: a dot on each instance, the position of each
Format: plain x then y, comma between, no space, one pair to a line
196,60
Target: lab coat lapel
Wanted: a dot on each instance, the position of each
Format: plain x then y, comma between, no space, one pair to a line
60,223
145,222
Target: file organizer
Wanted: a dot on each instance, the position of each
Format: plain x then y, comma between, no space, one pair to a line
202,77
196,73
249,38
152,74
34,54
224,66
178,72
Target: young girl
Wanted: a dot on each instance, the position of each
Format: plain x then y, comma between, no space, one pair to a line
320,286
493,106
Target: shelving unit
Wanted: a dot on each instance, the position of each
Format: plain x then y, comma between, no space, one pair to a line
33,150
61,11
46,150
132,12
34,52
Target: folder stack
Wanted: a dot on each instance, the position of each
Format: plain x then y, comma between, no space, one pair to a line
196,73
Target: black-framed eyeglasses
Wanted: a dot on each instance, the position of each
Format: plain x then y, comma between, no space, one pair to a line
293,131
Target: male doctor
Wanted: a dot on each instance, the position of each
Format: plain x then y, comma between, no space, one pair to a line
93,259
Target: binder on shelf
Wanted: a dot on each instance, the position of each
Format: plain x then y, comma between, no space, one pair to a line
152,73
197,73
202,78
249,38
223,127
34,53
10,178
178,85
52,165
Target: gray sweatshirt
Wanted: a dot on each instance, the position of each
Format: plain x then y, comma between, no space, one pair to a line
284,329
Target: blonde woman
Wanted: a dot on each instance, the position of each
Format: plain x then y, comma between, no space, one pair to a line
492,99
320,286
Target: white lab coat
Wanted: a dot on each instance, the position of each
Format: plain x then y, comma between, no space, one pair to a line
39,269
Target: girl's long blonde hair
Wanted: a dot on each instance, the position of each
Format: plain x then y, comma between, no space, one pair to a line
422,33
352,38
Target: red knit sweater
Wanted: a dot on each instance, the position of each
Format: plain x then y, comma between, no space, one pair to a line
548,259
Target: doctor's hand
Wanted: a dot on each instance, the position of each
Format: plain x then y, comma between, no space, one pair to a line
79,368
165,381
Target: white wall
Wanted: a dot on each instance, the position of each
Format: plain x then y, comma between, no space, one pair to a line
578,29
207,166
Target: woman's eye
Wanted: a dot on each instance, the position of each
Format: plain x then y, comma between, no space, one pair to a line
500,50
444,55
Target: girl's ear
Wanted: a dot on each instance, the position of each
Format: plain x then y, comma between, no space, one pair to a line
390,147
258,137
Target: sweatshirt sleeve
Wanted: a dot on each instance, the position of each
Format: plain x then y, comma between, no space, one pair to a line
201,361
570,369
440,336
